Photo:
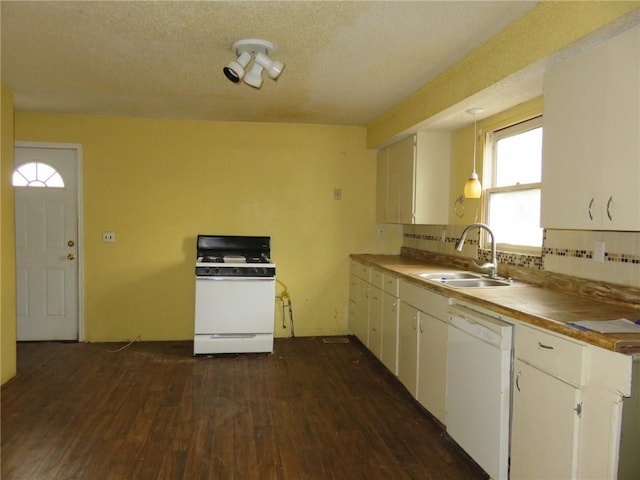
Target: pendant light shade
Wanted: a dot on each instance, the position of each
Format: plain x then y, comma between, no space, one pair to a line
473,187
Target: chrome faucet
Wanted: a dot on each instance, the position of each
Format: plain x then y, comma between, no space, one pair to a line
491,268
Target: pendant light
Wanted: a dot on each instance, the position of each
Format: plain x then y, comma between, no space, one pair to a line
473,188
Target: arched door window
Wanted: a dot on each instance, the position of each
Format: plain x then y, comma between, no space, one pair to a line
37,174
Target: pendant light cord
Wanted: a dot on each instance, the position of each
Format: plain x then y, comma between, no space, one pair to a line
475,140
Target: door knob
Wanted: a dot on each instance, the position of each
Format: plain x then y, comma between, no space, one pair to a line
71,256
70,243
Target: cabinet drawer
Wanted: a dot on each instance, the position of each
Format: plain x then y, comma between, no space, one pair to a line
551,353
424,300
376,278
360,270
390,284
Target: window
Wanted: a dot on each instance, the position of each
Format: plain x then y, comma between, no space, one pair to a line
36,174
512,205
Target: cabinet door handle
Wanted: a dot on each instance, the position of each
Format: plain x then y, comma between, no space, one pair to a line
609,208
578,409
414,322
421,321
518,381
393,307
590,210
542,345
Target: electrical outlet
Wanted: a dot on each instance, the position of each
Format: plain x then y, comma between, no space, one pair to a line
380,232
598,252
108,237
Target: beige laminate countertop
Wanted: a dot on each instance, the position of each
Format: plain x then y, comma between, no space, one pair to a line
543,307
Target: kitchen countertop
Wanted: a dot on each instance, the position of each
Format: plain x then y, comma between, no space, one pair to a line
550,309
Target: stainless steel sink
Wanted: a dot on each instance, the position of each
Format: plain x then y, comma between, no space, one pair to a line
446,276
463,279
477,283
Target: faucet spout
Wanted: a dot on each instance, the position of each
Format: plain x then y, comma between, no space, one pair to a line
491,267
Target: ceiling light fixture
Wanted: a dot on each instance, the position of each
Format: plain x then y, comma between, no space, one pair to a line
235,70
259,51
473,188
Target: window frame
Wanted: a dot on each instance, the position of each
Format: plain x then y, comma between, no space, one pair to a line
491,138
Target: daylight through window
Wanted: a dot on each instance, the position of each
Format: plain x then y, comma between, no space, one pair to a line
513,191
37,174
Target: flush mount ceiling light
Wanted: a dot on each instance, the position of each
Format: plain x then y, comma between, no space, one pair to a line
473,188
259,51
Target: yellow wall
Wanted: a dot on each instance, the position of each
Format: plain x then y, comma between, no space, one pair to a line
462,156
158,183
544,30
7,240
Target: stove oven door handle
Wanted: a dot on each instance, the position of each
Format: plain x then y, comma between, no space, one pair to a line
236,279
232,335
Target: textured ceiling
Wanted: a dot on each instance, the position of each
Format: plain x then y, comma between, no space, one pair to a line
346,62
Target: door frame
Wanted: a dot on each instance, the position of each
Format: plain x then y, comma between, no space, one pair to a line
80,251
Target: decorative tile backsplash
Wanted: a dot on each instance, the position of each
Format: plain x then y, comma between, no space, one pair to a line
567,252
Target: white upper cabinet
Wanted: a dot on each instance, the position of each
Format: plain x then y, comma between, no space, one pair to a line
413,180
591,143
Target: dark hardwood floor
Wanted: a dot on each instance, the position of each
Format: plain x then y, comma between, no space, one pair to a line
311,410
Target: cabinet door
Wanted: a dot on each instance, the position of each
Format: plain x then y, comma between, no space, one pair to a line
432,368
408,347
354,298
571,187
431,198
361,325
400,198
382,186
545,424
620,127
591,148
375,321
389,354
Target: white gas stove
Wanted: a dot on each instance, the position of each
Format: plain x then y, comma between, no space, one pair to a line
235,295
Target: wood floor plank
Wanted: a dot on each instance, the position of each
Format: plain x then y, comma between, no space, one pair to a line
311,410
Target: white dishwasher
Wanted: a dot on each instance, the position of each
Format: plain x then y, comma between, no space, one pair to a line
479,358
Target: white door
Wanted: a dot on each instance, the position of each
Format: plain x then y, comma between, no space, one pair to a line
46,215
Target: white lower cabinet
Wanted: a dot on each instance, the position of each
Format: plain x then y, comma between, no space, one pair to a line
545,425
567,395
422,356
390,311
372,319
408,347
567,406
432,365
361,324
359,287
375,321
